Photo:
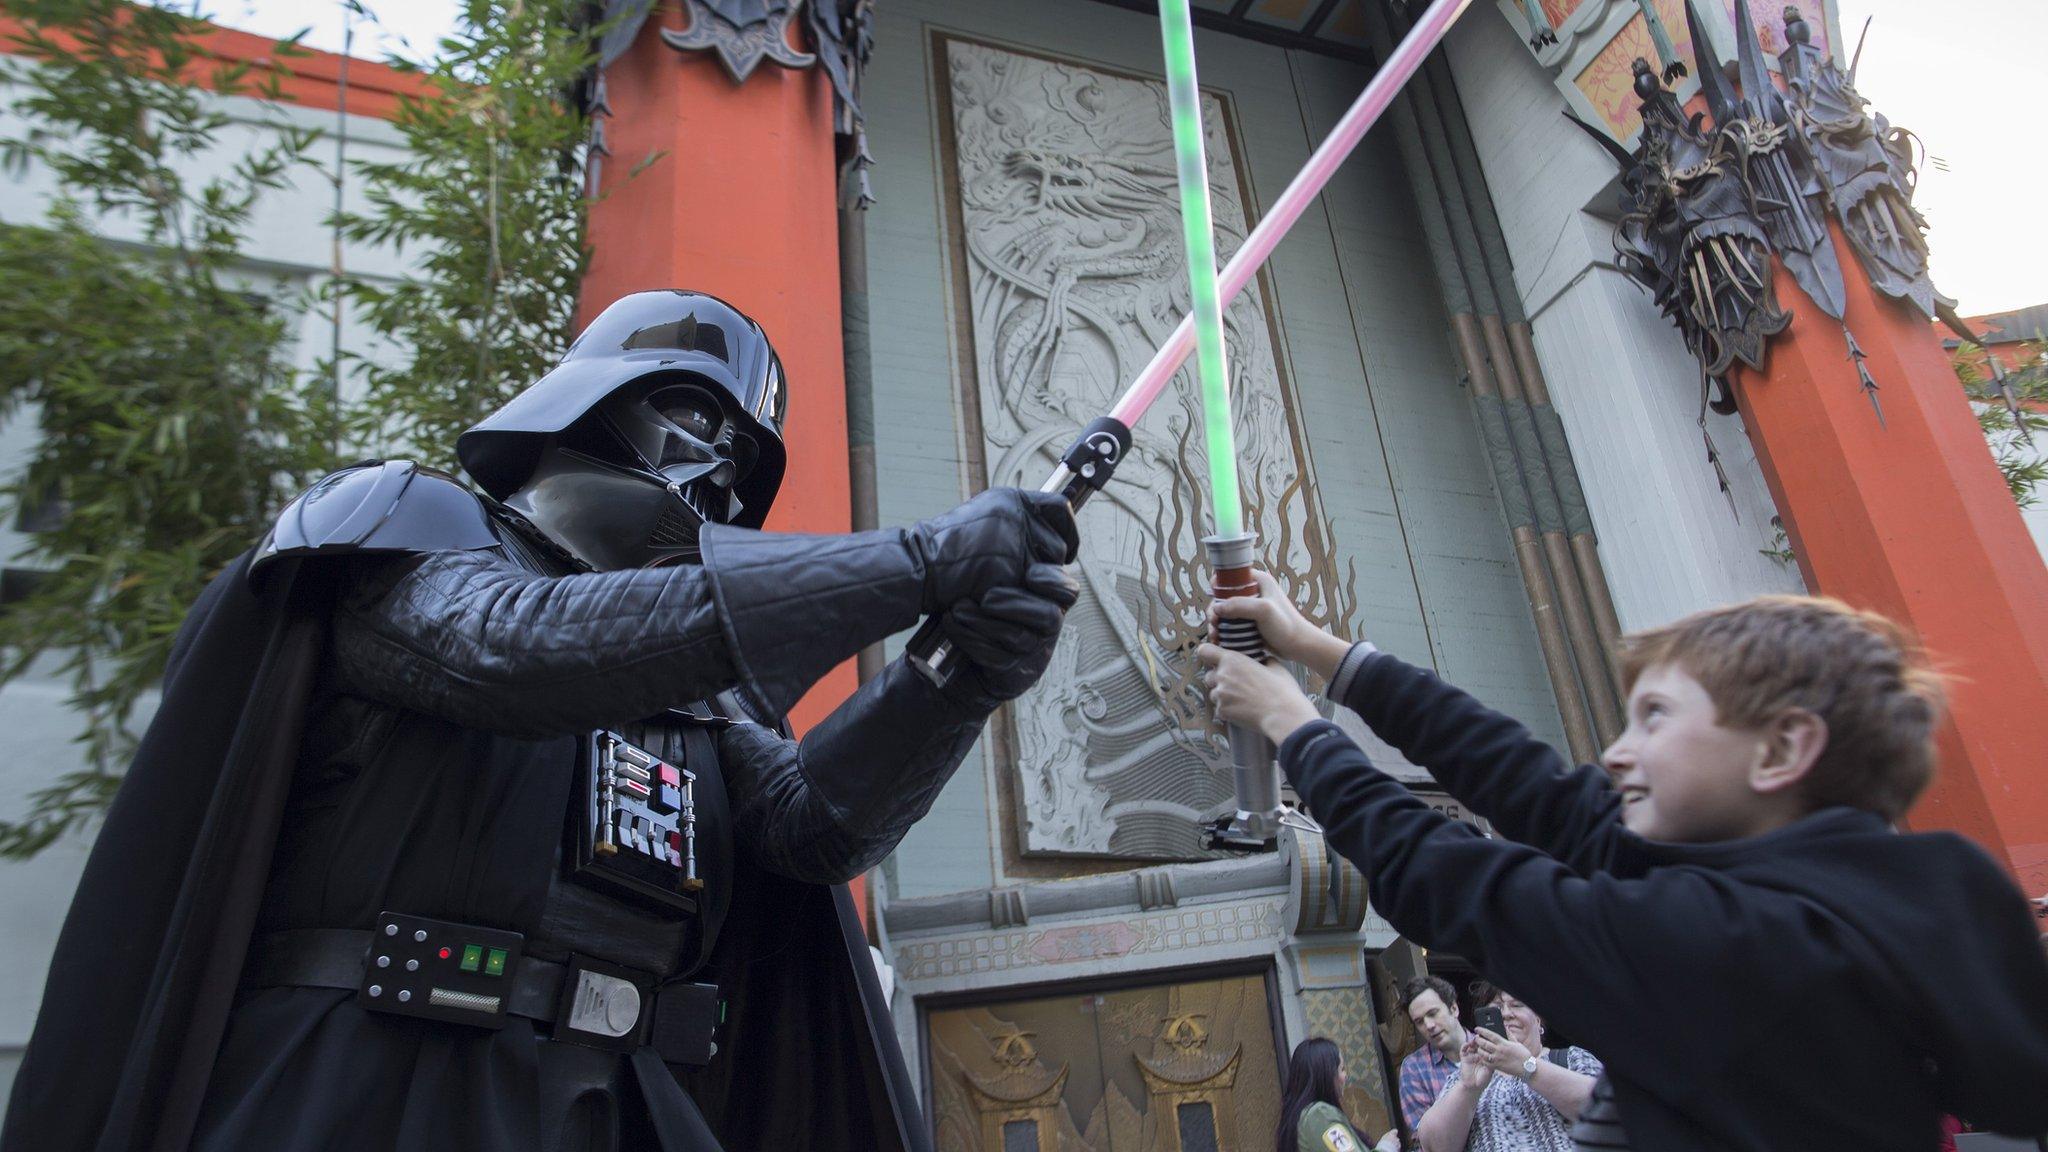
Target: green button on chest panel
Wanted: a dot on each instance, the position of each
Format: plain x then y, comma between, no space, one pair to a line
472,957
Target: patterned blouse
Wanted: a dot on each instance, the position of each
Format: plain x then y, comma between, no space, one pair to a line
1513,1117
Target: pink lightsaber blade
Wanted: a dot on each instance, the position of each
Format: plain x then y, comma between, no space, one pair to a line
1307,184
1091,460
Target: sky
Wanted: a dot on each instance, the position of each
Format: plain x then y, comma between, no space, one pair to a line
1959,73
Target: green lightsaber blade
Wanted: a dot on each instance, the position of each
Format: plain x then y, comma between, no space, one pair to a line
1185,98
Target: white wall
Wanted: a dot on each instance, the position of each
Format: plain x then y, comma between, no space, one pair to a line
1618,371
288,253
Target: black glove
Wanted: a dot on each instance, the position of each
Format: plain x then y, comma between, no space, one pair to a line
1007,633
991,541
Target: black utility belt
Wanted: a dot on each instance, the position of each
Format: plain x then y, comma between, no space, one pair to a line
633,829
476,976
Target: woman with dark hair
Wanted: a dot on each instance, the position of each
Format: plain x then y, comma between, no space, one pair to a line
1311,1112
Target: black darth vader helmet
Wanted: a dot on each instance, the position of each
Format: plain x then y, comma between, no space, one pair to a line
664,415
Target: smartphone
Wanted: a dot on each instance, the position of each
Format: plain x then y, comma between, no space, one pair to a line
1489,1018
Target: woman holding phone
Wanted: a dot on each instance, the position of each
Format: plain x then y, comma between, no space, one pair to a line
1509,1092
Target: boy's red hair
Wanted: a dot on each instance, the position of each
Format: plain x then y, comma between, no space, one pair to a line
1862,674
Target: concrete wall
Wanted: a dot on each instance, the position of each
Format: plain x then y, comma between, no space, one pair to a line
1618,371
289,253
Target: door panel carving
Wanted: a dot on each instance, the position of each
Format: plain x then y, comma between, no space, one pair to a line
1174,1068
1068,218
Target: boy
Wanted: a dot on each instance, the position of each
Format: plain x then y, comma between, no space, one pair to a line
1730,922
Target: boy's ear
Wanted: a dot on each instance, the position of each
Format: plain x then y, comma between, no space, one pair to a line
1793,743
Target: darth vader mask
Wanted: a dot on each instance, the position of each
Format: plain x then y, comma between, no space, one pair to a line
664,416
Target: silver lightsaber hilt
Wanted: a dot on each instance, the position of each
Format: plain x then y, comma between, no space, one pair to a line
1088,464
1255,772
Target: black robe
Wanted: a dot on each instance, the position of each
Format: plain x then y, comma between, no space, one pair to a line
134,1023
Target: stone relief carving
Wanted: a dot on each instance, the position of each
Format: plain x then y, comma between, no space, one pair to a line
1075,272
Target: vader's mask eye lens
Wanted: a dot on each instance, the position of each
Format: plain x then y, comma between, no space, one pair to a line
690,410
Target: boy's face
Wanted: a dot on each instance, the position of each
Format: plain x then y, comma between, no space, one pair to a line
1684,777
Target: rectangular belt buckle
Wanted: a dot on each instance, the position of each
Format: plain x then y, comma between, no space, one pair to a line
437,970
602,1005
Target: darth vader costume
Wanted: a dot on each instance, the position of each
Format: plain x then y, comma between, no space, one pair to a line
468,822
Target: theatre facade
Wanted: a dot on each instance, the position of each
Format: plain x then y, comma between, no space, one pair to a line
1467,430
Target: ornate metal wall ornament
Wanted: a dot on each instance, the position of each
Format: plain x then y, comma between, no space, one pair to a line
1667,52
2002,380
742,32
1689,232
1789,200
844,33
1865,165
1704,208
1541,33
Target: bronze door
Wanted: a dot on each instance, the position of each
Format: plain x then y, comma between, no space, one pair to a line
1185,1067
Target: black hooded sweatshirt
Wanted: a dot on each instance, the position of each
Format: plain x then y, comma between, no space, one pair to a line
1828,985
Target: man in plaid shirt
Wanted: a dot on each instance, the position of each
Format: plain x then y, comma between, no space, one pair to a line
1432,1007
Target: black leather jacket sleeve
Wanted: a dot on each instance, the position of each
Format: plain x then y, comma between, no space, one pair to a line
472,638
830,807
1489,761
478,639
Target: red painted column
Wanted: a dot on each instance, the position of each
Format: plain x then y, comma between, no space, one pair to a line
741,204
1912,518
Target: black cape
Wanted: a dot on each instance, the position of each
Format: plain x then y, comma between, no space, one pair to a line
148,962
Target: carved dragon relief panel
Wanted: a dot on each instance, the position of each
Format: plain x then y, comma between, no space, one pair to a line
1068,219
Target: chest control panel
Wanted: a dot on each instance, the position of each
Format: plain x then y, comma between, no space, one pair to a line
635,825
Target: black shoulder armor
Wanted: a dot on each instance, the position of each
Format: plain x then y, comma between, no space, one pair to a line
380,506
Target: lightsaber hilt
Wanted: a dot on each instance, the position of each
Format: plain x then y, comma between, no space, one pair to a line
1255,772
1084,468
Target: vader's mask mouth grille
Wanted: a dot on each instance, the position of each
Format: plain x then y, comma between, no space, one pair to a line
680,523
673,530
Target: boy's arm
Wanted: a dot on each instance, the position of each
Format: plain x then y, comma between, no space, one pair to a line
1488,761
1597,956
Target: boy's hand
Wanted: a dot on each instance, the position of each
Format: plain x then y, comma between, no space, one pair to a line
1261,696
1288,634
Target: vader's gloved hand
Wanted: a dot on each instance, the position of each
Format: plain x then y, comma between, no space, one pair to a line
1007,632
832,806
991,541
